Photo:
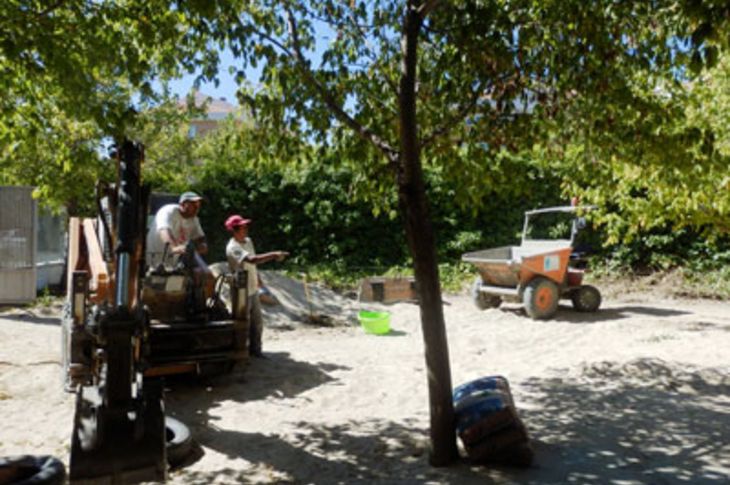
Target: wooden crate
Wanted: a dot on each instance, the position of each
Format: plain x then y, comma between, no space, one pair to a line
388,290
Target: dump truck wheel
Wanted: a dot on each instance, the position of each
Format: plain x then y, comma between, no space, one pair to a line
178,441
540,298
482,300
587,298
31,470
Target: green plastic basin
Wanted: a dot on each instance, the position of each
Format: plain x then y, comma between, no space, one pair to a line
377,323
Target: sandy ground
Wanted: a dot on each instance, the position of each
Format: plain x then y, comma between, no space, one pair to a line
636,393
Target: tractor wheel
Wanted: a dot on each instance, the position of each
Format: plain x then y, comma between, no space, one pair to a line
179,441
482,300
587,298
540,298
32,470
88,428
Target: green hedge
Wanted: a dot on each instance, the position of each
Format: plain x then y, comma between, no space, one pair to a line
313,215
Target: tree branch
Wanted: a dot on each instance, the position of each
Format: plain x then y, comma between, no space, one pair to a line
453,121
426,7
274,41
50,8
329,100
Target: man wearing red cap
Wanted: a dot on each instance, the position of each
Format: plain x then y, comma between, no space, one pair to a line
241,254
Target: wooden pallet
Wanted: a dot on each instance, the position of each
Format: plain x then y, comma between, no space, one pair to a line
388,290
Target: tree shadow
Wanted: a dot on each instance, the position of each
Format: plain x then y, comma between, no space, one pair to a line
642,422
360,451
701,326
566,313
278,375
32,317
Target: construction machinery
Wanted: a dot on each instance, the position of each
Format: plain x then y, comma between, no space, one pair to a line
549,264
126,326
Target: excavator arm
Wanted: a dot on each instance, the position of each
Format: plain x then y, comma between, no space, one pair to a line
125,328
119,431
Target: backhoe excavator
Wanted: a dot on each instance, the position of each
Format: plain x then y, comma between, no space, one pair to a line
127,326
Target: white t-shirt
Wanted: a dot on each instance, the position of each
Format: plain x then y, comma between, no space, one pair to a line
236,252
182,230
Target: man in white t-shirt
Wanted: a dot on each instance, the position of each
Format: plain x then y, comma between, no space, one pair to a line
241,254
173,226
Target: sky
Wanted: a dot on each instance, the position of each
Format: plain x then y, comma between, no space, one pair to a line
227,84
226,87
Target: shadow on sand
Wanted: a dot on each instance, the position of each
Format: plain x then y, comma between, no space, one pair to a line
637,423
566,313
277,375
36,318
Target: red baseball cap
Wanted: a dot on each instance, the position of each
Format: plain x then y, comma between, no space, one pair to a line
234,221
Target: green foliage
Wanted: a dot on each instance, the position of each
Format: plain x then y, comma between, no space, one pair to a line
519,104
308,206
55,154
69,72
455,277
674,174
170,153
45,299
494,80
86,54
712,283
308,213
666,249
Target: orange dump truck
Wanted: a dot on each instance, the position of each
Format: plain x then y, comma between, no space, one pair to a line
544,268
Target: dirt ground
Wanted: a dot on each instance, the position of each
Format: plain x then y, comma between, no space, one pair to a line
638,392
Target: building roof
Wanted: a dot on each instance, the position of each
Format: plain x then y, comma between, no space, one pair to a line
217,109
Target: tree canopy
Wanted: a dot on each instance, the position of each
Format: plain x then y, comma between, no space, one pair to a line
591,87
71,71
501,83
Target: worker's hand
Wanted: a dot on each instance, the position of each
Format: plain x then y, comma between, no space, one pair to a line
179,249
281,255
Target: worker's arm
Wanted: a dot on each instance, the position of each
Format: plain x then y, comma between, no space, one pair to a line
166,236
266,257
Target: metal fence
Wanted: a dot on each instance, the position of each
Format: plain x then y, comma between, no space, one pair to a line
18,219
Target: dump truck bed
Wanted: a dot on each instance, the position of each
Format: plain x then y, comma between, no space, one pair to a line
497,266
508,266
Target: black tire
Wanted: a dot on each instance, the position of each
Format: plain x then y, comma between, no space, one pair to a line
88,427
178,441
482,300
31,470
541,298
587,298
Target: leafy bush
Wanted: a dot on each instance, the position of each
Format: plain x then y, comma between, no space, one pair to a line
340,226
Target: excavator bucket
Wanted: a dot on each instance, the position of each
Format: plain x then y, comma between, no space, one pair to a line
114,448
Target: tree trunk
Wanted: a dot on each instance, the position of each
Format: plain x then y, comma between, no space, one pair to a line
421,242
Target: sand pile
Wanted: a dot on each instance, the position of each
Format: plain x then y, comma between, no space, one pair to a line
307,302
